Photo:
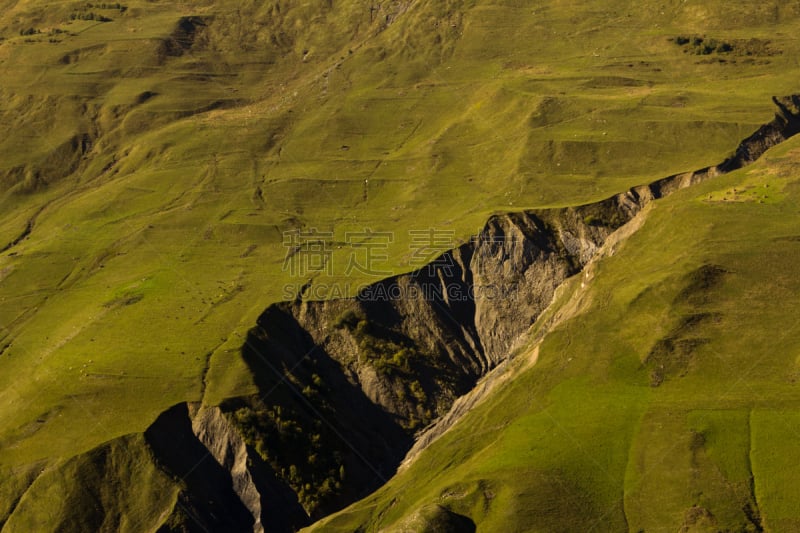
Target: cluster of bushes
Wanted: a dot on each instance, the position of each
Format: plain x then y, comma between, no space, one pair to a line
593,220
391,354
86,14
383,349
91,15
284,436
26,32
119,7
423,415
702,46
596,216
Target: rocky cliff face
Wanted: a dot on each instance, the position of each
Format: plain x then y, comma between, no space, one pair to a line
223,485
378,368
410,345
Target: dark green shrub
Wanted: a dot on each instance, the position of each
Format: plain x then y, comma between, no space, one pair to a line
592,220
347,320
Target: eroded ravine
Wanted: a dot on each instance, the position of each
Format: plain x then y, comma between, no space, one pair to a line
412,344
348,386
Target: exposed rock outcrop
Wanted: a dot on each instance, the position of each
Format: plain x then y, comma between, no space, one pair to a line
224,486
186,35
253,481
411,344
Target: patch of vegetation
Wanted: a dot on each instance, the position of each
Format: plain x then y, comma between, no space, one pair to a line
702,46
593,220
599,215
699,287
296,444
348,320
129,298
386,350
670,357
756,47
86,12
122,8
398,360
90,15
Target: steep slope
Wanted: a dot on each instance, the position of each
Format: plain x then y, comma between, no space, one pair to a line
189,472
120,489
412,344
662,393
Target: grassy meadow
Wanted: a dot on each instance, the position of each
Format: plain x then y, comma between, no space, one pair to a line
154,162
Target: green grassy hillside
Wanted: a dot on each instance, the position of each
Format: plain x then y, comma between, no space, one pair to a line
157,153
665,398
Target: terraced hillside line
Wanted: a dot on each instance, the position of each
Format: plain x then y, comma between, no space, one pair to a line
21,237
753,515
26,231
